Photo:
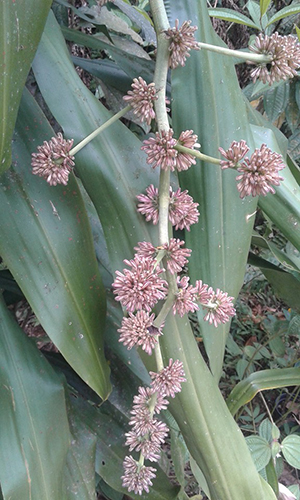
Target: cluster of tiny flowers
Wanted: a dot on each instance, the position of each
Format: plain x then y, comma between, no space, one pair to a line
258,174
139,330
148,433
53,161
218,305
162,153
182,41
140,287
183,210
185,300
175,256
141,98
285,52
234,154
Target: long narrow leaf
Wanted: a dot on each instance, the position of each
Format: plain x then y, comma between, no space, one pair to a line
233,17
19,38
48,248
34,437
221,239
286,11
245,390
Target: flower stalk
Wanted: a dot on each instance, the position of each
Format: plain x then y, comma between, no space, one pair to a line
100,129
240,54
197,154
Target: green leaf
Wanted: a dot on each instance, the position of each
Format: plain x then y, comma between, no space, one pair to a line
254,11
80,464
280,255
18,42
220,240
265,430
140,18
290,447
272,476
179,456
200,477
232,16
264,5
48,248
134,65
286,11
285,285
260,451
245,390
275,100
295,490
34,436
294,326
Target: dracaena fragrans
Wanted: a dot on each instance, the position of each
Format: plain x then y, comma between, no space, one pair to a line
154,282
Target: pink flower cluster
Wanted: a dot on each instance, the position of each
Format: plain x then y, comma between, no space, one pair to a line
182,40
148,433
183,210
218,305
162,153
285,54
53,160
258,174
141,98
141,287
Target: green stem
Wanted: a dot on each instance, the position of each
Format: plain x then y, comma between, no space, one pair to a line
246,56
160,79
166,308
100,129
197,154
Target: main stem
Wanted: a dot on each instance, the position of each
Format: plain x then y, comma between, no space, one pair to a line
160,79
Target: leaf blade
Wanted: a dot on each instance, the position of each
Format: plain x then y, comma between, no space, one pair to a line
34,437
43,248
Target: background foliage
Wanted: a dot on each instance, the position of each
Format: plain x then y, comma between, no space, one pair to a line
62,425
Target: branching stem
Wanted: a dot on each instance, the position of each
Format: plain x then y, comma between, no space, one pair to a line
197,154
100,129
245,56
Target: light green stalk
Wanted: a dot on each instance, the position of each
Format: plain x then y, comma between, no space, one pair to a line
245,56
98,130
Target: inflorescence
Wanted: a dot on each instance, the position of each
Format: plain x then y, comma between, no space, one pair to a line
139,288
258,174
182,40
53,161
285,52
143,287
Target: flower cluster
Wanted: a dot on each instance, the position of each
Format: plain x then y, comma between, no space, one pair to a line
148,433
140,287
53,161
218,305
162,153
182,41
139,330
285,53
183,210
175,256
258,174
141,98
